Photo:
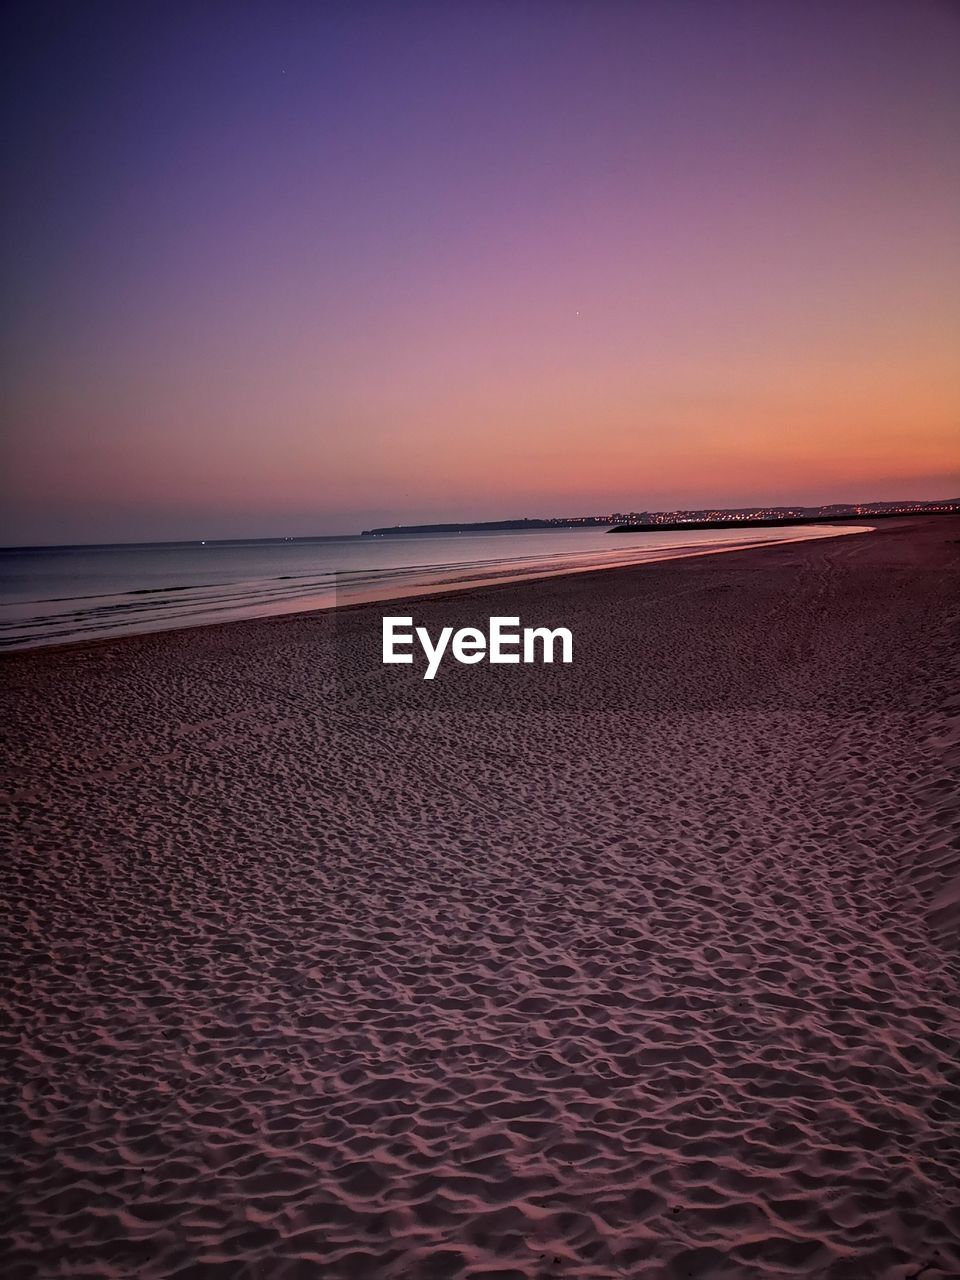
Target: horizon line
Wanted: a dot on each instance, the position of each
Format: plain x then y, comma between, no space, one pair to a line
313,537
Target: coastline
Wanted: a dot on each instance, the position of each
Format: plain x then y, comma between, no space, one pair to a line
455,578
639,967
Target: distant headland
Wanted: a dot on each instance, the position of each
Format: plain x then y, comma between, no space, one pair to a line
487,526
666,521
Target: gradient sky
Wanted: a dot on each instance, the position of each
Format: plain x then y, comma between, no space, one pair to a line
291,268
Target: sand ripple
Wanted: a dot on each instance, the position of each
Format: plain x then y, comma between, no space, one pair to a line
355,978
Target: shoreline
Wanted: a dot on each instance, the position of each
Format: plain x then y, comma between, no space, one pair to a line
440,590
645,964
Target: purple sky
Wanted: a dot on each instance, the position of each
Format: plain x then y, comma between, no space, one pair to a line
299,268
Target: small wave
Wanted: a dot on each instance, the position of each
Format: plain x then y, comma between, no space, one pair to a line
26,622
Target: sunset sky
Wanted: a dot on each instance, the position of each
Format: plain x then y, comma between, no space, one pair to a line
292,268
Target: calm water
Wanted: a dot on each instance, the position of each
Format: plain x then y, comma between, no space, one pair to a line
55,594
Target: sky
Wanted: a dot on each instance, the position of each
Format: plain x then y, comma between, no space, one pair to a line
296,268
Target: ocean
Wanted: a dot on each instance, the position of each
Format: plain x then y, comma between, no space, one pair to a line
56,595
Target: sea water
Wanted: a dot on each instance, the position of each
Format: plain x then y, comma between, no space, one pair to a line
52,595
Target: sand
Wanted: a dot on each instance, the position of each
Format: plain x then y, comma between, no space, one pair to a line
640,967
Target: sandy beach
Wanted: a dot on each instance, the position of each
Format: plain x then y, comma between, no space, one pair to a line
641,967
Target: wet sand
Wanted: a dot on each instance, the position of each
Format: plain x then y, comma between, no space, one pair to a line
640,967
